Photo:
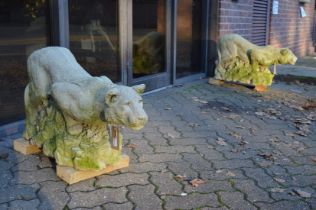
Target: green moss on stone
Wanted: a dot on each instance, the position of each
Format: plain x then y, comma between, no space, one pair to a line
89,149
237,71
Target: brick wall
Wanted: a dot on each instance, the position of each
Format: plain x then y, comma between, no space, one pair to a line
235,17
287,29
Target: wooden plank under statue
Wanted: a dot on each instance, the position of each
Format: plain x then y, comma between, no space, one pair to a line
242,62
76,118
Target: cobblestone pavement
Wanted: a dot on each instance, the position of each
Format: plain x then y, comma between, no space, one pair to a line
251,150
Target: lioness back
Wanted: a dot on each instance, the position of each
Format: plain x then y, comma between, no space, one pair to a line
233,45
58,63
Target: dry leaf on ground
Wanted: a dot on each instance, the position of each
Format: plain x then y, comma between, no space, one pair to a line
197,182
279,180
221,141
302,193
179,177
229,173
267,156
278,190
131,146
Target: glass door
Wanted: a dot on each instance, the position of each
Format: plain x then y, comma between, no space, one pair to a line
148,37
191,36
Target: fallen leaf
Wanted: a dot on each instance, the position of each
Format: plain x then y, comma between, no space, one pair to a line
278,190
240,127
302,121
226,109
279,180
243,142
170,135
131,146
193,125
314,159
229,173
179,177
266,156
260,113
302,193
301,133
309,106
4,156
184,194
197,182
221,141
236,135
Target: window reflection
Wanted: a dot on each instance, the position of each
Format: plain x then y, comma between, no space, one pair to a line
23,29
188,58
94,36
148,37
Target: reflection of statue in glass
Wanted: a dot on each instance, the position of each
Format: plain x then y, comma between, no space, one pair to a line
148,54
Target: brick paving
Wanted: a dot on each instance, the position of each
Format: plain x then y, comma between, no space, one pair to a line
254,151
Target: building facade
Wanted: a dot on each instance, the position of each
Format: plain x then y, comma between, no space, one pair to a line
156,42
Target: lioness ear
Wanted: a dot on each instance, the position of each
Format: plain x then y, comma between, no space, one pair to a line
139,88
284,51
111,96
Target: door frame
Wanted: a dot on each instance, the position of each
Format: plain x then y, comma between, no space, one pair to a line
154,81
204,44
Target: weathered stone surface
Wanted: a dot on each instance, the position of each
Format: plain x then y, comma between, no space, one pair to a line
83,186
53,195
210,186
24,205
175,149
191,201
30,177
145,167
97,197
233,164
160,158
284,205
18,192
253,192
121,180
165,183
144,197
235,200
115,206
30,164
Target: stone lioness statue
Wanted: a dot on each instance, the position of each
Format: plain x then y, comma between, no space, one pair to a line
75,117
148,54
240,60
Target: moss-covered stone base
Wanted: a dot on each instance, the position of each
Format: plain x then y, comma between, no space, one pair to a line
74,144
236,70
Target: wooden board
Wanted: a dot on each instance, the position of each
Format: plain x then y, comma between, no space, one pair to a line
71,175
23,146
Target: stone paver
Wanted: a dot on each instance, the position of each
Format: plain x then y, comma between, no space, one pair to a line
252,150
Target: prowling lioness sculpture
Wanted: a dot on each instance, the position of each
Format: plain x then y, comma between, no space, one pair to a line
74,117
241,61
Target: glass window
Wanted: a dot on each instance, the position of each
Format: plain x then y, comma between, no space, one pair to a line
149,28
23,29
93,28
188,58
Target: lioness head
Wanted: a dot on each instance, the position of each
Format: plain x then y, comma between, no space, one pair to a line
124,106
287,57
